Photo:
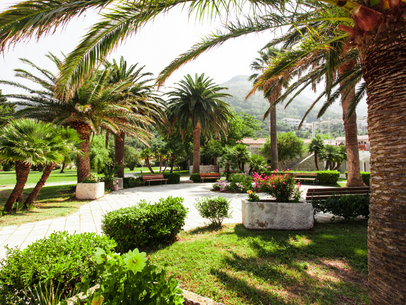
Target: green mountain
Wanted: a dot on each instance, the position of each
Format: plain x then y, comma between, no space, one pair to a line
256,105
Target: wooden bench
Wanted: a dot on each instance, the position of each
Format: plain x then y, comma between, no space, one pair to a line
205,176
323,193
305,177
154,177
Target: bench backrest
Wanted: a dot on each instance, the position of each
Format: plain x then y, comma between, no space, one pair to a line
152,176
304,174
210,175
326,192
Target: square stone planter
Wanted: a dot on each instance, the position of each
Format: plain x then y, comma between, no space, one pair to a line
89,190
267,214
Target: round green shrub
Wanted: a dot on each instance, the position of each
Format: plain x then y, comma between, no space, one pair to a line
145,224
61,260
213,208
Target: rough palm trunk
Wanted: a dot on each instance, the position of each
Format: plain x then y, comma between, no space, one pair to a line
351,134
22,171
173,157
31,197
119,153
196,148
383,54
83,160
316,162
274,141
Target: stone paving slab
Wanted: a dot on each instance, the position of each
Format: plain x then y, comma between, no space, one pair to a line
89,216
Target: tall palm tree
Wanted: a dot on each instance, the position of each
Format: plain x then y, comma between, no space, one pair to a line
376,28
144,100
196,105
27,142
272,89
91,108
315,146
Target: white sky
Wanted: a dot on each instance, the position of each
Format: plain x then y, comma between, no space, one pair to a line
155,46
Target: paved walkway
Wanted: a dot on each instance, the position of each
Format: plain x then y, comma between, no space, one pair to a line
89,217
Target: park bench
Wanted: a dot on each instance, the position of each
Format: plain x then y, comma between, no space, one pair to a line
205,176
323,193
154,177
312,177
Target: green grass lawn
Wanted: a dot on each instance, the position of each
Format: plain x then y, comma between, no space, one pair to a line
9,178
52,202
233,265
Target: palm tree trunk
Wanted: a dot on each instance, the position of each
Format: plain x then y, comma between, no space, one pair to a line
383,54
149,165
31,197
274,141
63,167
351,135
22,171
173,157
316,163
119,153
83,160
196,148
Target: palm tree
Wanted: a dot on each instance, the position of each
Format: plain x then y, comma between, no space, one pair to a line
272,90
27,142
196,105
66,141
315,146
144,100
92,107
6,110
375,28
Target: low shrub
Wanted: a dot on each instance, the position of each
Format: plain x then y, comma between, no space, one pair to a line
173,178
327,177
130,279
241,182
366,177
195,178
347,206
145,224
59,261
221,185
213,208
132,182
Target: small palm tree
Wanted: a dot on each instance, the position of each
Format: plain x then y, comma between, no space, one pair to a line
27,142
315,146
196,105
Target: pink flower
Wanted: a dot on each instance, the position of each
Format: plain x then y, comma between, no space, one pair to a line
283,182
273,186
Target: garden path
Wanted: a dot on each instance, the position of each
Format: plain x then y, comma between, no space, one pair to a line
89,217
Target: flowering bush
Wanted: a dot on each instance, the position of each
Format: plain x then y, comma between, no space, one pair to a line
221,185
279,185
252,196
130,279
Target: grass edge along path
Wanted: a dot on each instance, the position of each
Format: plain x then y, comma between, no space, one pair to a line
233,265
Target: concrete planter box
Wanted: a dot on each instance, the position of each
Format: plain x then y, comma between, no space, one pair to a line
89,190
267,214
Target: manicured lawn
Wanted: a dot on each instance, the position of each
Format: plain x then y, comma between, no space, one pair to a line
9,178
52,202
326,265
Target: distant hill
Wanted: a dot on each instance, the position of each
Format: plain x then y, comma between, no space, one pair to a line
256,105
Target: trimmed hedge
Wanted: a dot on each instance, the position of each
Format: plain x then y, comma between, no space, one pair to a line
327,177
195,178
145,224
366,177
60,261
132,182
347,206
173,178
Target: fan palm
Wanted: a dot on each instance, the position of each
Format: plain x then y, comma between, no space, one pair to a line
26,142
196,105
91,108
143,101
378,34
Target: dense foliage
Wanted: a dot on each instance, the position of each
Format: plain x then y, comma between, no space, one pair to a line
145,223
213,208
61,260
347,206
173,178
279,185
132,182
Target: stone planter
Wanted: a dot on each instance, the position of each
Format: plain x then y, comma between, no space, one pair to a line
89,190
267,214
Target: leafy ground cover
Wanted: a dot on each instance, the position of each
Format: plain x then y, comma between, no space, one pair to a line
51,202
326,265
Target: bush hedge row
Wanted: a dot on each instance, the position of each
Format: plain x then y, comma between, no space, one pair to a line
347,206
145,224
173,178
324,177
